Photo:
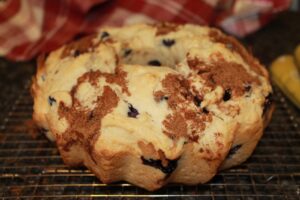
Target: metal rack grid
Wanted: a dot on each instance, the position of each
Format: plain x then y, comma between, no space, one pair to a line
32,168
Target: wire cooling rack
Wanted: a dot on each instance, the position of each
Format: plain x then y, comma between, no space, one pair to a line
32,168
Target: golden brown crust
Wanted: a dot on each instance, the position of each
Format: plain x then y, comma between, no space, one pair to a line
40,67
248,142
148,150
268,114
194,162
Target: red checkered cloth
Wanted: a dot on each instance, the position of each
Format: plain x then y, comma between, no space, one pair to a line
29,27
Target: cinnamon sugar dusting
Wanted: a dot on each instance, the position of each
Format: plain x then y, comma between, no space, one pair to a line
218,138
84,125
187,119
175,125
177,90
80,46
197,119
119,78
92,77
235,46
158,96
231,110
228,75
165,28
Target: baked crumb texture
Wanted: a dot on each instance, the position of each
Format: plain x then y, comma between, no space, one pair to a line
153,104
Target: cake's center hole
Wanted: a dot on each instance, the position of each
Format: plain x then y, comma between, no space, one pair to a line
162,55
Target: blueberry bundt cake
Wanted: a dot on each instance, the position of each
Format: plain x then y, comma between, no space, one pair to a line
153,104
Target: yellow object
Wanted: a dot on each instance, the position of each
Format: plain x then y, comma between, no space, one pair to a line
297,56
285,74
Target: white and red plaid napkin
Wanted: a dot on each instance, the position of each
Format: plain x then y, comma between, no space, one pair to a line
29,27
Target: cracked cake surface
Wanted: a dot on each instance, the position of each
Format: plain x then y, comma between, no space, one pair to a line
153,104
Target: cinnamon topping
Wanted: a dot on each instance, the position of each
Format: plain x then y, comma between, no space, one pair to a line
165,28
235,46
91,77
158,96
80,46
83,127
176,126
119,78
186,115
228,75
